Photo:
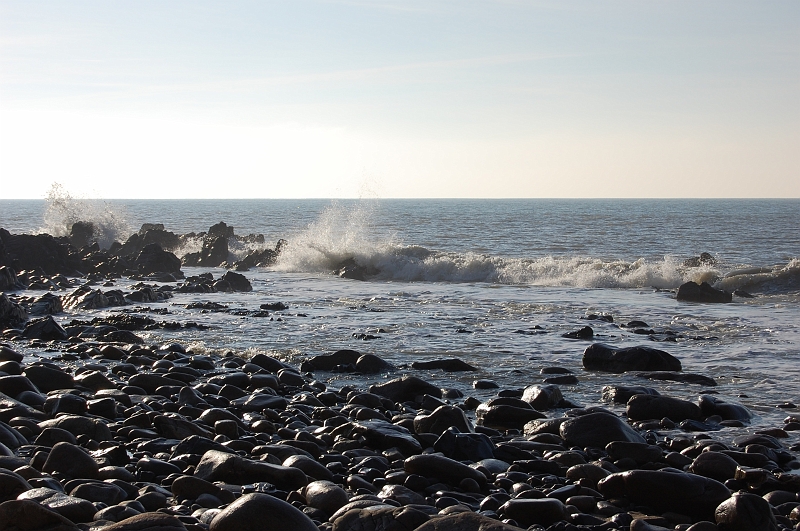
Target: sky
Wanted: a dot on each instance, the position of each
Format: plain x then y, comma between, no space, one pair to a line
389,98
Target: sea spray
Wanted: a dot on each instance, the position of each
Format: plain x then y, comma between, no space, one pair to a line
63,211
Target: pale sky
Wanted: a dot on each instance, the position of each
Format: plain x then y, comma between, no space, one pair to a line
385,98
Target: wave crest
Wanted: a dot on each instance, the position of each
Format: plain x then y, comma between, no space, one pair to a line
63,211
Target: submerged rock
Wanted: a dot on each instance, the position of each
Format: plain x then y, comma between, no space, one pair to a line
693,292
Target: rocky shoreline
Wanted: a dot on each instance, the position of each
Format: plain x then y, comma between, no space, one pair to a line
105,432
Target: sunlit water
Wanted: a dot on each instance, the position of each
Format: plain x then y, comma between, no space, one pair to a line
474,280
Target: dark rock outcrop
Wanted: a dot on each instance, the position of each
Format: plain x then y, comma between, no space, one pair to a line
600,357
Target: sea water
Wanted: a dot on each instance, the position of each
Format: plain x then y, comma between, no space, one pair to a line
493,282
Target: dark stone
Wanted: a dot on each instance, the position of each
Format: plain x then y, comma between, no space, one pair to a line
584,333
465,521
442,418
698,379
384,435
45,328
150,521
48,379
447,365
153,259
464,446
261,512
620,394
667,490
221,466
745,512
704,292
11,485
237,281
543,397
383,518
71,462
372,364
501,416
545,511
443,468
710,405
78,425
28,515
600,357
646,407
714,465
406,388
76,509
12,315
596,430
326,496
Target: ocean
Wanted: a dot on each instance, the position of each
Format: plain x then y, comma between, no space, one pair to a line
493,282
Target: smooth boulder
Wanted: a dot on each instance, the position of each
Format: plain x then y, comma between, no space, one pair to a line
600,357
261,512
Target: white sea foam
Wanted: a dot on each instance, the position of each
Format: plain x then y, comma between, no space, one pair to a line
342,235
63,211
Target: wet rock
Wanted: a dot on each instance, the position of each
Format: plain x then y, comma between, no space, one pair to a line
406,388
644,407
347,361
543,397
99,491
77,425
45,328
600,357
442,418
191,488
641,453
47,304
150,521
75,509
48,379
384,435
28,515
464,446
545,511
467,521
261,512
447,365
444,468
71,462
584,333
745,512
667,490
8,278
502,416
173,426
151,381
326,496
230,468
714,465
153,259
620,394
597,430
11,485
12,315
236,281
381,518
86,298
711,405
691,291
698,379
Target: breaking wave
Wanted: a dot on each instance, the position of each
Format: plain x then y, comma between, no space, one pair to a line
347,236
63,211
